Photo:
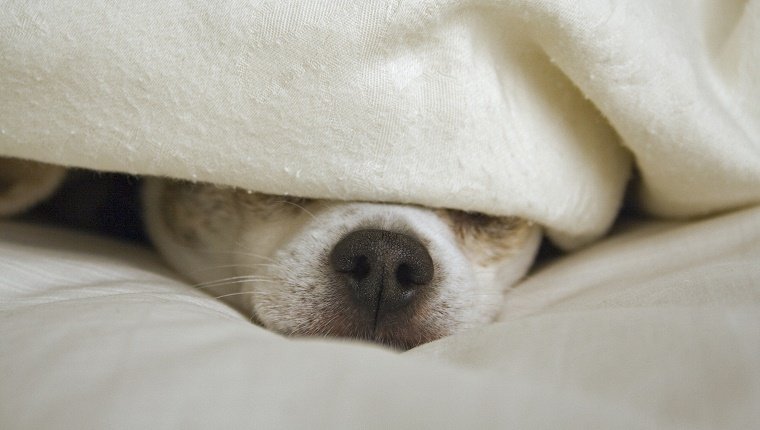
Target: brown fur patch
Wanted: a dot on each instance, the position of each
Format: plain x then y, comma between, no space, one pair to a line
486,239
25,183
193,210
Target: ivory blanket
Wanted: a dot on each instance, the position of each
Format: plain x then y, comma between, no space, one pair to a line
517,107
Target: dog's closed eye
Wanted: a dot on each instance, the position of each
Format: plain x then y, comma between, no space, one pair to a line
487,238
266,206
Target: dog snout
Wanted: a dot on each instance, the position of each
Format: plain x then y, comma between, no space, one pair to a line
383,270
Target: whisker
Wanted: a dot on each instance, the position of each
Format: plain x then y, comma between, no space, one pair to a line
248,254
211,251
243,281
205,269
298,206
233,294
229,280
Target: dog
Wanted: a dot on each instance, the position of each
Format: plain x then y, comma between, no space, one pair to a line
394,274
399,275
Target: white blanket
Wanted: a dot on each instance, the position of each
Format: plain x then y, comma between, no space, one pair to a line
658,327
507,107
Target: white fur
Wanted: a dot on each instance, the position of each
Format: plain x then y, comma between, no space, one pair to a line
278,271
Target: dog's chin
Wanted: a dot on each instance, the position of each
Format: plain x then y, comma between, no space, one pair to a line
397,331
337,315
397,335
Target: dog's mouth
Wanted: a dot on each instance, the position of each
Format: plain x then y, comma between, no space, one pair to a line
341,315
402,331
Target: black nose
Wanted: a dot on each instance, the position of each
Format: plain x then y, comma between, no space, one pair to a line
384,270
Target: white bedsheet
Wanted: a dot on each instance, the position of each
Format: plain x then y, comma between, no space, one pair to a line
656,327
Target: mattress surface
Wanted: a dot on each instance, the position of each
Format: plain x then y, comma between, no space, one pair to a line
657,326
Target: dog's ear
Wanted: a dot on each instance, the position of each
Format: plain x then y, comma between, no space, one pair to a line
24,183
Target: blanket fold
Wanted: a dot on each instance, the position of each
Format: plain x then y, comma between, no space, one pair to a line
508,107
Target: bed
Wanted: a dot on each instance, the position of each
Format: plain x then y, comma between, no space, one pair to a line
547,110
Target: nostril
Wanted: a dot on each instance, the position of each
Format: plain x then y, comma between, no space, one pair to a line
406,277
361,268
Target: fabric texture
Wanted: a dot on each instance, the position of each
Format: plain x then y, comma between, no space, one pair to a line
517,107
512,107
658,327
